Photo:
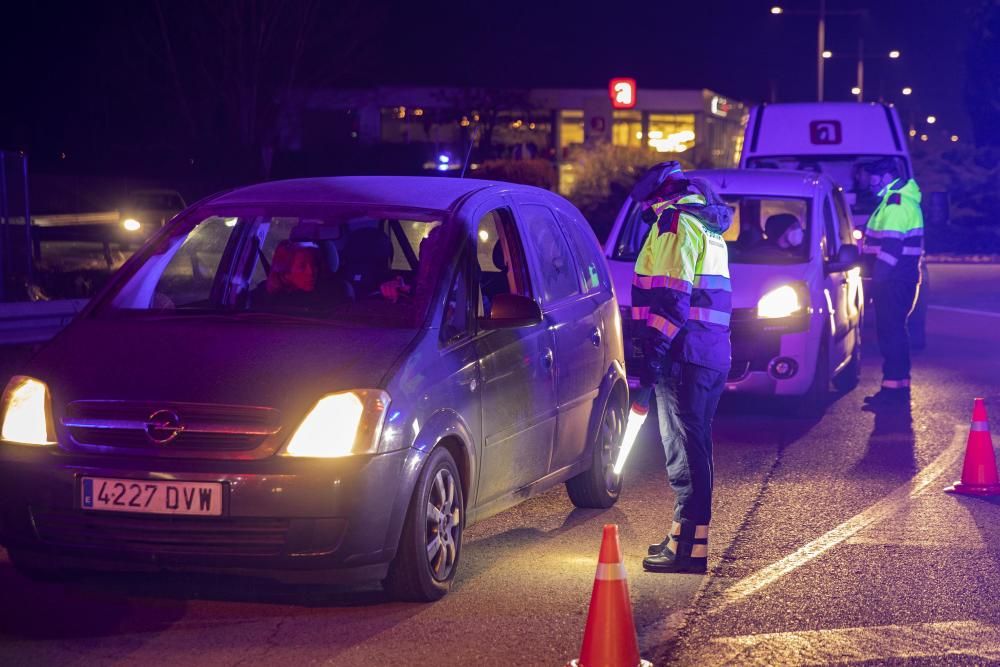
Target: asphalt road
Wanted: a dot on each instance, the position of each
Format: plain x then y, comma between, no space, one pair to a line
831,543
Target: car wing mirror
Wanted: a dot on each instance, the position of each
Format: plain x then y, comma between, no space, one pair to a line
848,256
512,310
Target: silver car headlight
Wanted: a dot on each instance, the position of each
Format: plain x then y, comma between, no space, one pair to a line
341,424
27,412
783,301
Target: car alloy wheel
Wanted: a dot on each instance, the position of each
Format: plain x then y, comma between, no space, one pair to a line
444,521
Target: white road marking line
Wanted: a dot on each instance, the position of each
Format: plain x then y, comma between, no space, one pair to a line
972,639
967,311
877,512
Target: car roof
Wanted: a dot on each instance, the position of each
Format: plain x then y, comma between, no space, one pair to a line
424,192
778,182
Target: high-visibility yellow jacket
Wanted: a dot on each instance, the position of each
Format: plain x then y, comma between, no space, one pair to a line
894,240
681,285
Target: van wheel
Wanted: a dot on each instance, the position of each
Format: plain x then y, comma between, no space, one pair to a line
849,377
431,542
599,487
813,402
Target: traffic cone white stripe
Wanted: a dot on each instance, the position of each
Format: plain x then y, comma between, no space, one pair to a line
610,572
980,426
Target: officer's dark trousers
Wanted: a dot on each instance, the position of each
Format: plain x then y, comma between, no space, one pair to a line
686,403
893,301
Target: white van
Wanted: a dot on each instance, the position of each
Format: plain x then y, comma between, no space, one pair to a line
797,309
832,138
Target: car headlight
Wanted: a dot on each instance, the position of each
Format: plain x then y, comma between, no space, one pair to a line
131,225
341,424
27,412
781,302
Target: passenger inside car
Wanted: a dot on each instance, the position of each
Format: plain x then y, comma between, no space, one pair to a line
291,279
784,231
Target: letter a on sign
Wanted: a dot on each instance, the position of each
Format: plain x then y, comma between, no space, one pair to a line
825,132
622,93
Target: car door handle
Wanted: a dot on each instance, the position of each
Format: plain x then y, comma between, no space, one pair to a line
595,337
547,359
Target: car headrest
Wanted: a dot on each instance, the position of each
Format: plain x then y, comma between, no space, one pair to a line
498,258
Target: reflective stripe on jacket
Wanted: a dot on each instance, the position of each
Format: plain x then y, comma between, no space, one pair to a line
681,288
894,239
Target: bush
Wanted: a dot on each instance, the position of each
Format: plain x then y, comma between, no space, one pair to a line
603,176
540,173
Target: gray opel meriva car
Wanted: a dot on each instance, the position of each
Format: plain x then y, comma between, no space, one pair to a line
323,379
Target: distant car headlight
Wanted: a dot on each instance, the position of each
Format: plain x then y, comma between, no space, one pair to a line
27,412
781,302
131,225
341,424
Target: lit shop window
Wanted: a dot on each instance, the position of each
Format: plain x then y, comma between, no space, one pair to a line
570,130
671,133
626,128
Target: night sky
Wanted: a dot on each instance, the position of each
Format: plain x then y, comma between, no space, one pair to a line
77,75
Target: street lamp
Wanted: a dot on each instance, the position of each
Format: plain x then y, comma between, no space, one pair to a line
855,91
828,54
776,10
954,138
894,54
931,120
907,91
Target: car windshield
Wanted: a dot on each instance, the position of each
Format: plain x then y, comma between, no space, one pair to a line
343,264
765,230
847,171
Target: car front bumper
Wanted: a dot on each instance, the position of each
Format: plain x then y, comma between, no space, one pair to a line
335,520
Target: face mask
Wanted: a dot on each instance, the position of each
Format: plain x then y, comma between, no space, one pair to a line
795,236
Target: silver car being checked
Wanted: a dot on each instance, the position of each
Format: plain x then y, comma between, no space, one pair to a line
324,380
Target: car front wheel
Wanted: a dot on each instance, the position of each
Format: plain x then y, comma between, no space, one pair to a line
431,542
600,486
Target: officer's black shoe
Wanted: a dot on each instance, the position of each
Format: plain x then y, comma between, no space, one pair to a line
886,397
654,549
668,562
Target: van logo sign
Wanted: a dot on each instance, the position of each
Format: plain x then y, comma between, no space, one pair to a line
163,426
825,132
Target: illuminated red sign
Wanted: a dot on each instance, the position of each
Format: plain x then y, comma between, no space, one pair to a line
622,93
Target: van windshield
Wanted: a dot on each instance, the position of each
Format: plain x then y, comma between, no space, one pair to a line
847,171
765,230
344,264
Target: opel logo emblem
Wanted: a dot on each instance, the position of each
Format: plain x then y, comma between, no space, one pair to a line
163,426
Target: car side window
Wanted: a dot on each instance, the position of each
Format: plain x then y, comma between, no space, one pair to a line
456,322
559,275
501,259
831,240
589,254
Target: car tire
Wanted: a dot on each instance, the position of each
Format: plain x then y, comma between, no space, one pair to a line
850,375
814,401
421,571
599,486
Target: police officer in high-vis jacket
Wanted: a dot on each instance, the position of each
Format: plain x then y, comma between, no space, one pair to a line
894,243
681,291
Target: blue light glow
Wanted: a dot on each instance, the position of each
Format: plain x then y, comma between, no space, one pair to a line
444,159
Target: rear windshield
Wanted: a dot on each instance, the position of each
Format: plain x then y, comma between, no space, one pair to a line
340,264
847,171
765,230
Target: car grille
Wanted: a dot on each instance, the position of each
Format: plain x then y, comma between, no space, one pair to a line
162,535
201,427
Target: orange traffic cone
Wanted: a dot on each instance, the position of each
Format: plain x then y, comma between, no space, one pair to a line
609,639
979,473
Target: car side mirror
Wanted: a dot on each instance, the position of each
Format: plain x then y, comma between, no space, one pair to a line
848,256
512,310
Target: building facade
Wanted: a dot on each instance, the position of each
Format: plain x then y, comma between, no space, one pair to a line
436,125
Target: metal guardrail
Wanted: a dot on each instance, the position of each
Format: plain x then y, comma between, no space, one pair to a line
36,321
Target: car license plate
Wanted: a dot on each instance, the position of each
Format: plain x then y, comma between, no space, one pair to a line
151,496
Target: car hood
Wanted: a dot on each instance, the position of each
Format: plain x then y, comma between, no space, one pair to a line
287,366
749,281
